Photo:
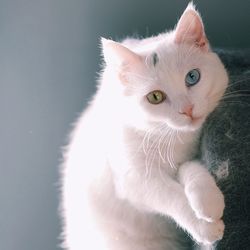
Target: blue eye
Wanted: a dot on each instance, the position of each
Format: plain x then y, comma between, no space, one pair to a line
192,77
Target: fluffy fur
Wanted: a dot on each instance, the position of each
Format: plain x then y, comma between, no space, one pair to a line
129,173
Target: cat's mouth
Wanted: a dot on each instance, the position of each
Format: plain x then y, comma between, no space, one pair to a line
197,119
196,122
188,123
192,123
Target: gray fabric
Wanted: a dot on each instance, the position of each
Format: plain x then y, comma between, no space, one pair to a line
225,142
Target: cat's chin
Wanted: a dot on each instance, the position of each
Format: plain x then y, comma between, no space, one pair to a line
191,125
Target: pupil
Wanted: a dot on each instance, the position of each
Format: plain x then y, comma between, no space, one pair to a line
192,77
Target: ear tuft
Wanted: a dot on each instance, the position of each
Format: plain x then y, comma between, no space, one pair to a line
191,6
190,29
106,50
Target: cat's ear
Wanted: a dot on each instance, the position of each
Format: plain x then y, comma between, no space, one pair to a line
190,29
117,54
122,59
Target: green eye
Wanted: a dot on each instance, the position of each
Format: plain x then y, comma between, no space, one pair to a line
192,77
156,97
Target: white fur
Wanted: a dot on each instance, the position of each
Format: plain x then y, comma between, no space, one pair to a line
128,167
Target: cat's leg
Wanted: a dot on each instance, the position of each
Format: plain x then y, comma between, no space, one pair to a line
204,196
166,196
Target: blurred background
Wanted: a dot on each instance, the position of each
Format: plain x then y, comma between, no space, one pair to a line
49,59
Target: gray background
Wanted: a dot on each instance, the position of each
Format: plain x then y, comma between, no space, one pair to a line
49,56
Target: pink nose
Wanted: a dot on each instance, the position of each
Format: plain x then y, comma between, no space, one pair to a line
187,110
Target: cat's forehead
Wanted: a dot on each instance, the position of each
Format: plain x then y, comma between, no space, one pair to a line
174,62
167,67
176,56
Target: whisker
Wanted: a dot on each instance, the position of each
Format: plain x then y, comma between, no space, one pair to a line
237,91
234,96
149,151
148,135
179,137
160,148
234,82
165,143
161,174
172,149
226,103
169,156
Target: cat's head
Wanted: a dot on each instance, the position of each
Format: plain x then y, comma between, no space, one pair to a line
172,78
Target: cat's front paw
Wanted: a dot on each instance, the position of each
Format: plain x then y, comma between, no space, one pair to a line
207,201
209,232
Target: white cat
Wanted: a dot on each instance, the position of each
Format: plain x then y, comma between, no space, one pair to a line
130,164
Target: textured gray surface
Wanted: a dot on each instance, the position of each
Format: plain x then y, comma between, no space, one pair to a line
49,57
226,151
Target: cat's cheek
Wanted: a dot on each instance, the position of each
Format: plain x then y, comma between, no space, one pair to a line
155,112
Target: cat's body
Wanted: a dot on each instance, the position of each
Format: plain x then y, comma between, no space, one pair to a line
126,226
128,168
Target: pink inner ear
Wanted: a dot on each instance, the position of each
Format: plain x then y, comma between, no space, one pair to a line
190,29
